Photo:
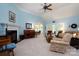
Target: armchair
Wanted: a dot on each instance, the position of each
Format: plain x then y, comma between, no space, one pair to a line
61,44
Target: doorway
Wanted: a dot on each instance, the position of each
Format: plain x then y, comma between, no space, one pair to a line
38,27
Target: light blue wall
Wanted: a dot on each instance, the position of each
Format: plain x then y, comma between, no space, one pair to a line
70,20
21,16
67,21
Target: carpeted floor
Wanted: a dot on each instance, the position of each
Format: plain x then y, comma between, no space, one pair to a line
39,47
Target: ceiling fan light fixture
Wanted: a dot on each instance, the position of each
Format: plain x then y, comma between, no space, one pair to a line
47,7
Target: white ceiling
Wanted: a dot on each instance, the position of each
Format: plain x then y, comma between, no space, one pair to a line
60,10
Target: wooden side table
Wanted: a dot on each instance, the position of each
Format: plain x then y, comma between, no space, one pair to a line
5,40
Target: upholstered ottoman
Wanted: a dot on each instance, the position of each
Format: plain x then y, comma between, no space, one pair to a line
11,46
8,48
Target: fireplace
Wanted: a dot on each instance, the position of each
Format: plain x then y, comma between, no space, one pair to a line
12,34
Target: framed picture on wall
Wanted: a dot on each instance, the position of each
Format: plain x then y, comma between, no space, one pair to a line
12,17
2,29
28,26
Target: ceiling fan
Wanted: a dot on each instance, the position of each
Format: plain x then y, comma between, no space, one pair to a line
47,7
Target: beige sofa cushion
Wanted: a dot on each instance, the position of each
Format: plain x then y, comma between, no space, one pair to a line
67,37
60,42
61,35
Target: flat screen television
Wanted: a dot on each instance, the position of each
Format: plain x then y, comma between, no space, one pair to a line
28,26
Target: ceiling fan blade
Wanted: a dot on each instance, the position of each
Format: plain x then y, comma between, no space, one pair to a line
45,3
49,9
49,5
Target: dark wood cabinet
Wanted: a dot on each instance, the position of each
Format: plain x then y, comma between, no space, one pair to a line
29,33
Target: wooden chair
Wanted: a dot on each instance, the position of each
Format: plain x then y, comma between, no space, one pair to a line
49,36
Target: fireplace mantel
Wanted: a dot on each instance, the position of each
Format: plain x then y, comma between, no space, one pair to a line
12,26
